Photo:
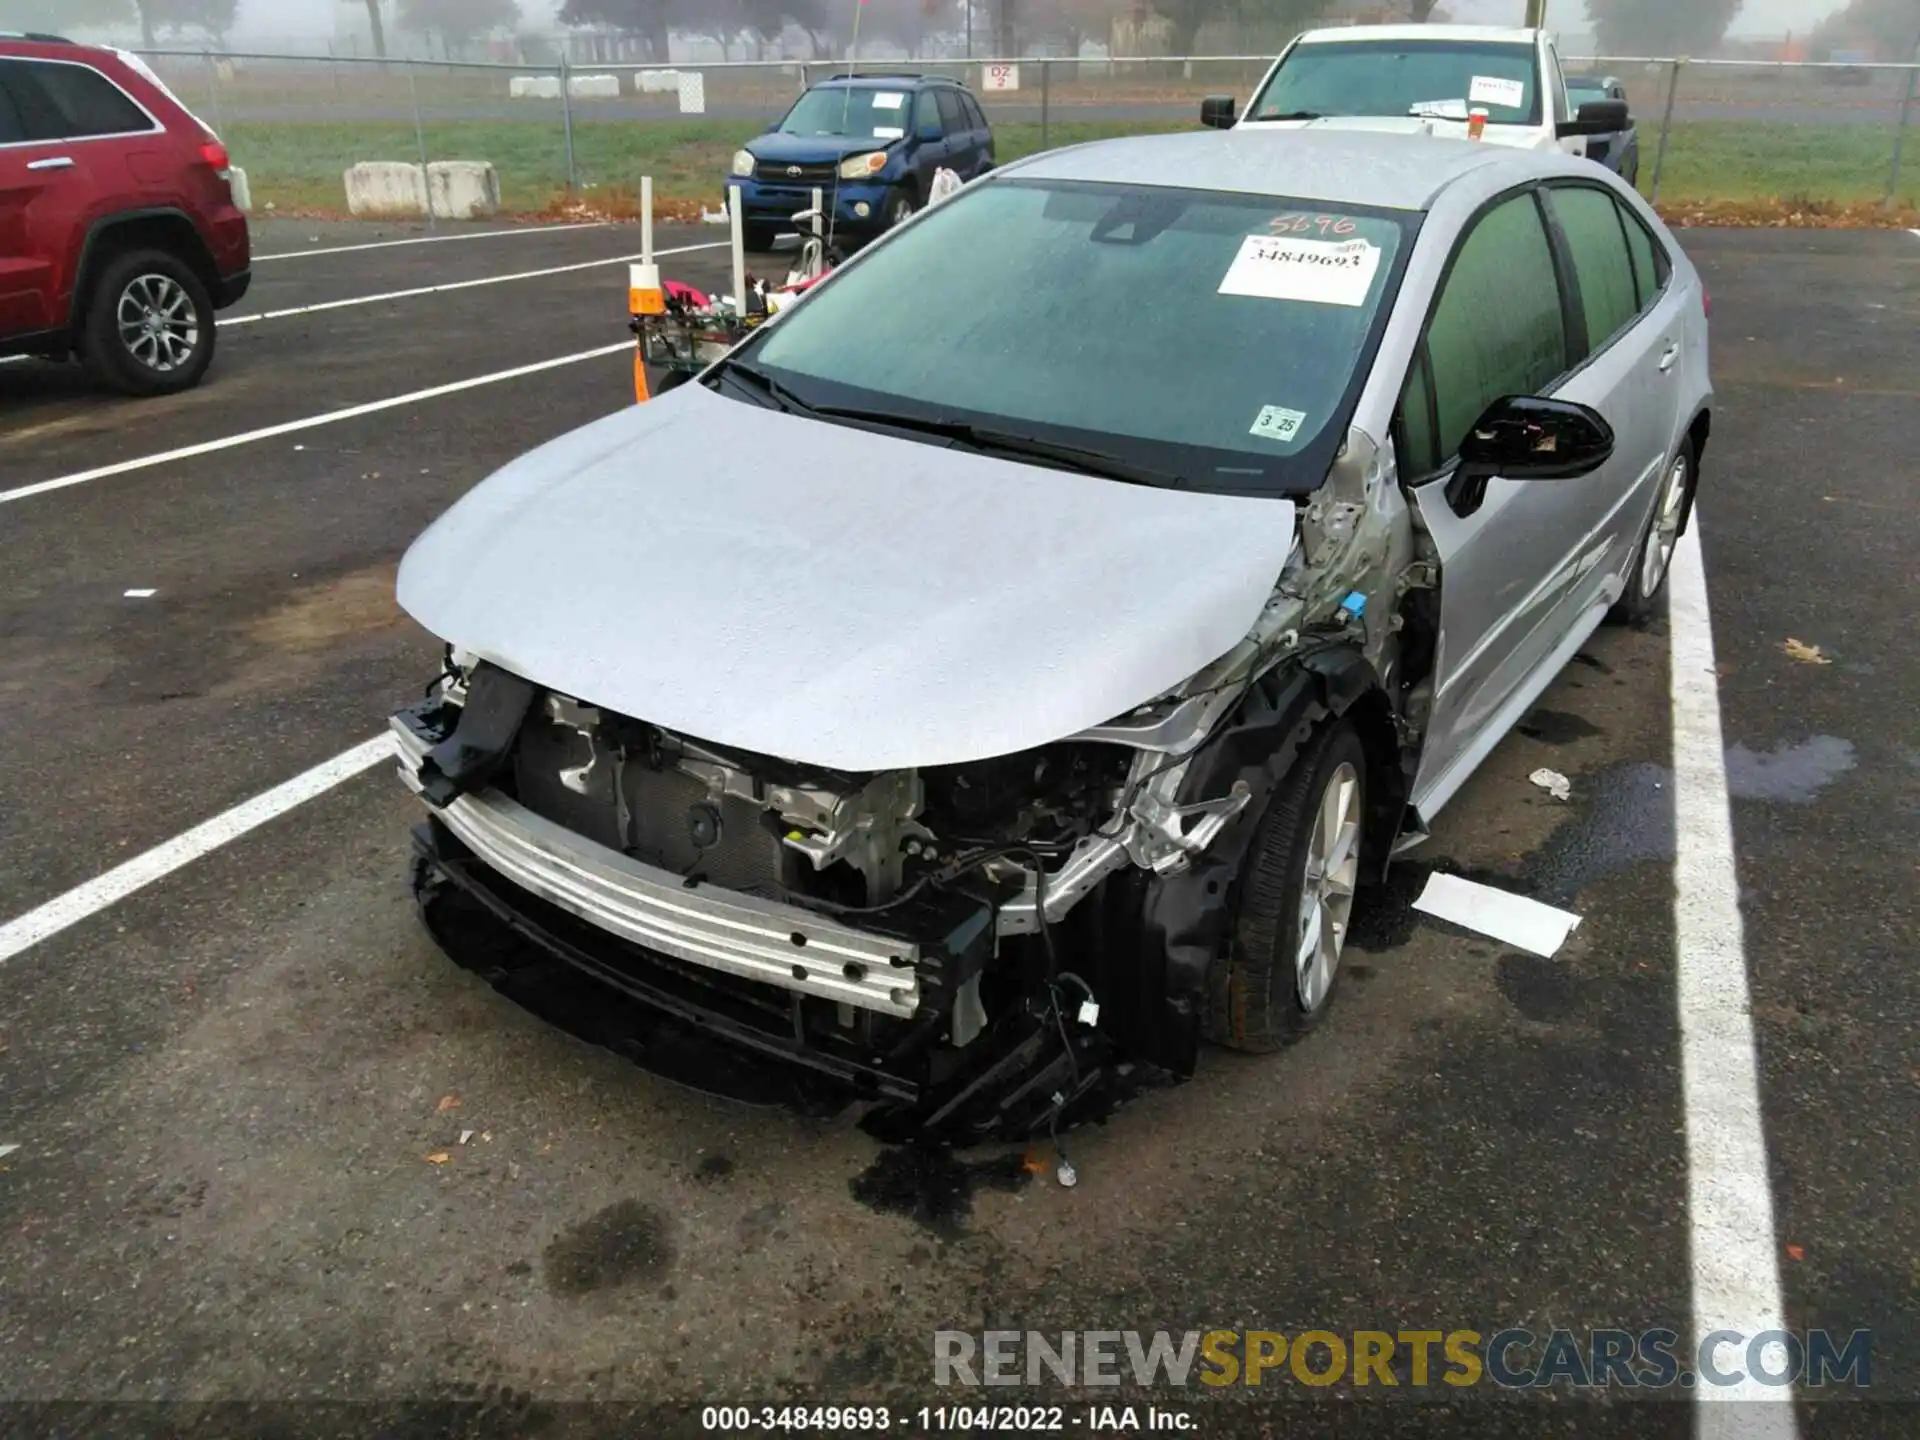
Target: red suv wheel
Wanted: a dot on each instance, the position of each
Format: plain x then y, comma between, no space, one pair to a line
149,325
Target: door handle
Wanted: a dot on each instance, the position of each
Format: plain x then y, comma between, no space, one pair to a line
1670,359
58,162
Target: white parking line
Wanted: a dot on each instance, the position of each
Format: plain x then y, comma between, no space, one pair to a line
314,309
121,881
292,427
430,240
1736,1267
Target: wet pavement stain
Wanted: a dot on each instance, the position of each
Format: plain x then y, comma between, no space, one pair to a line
625,1244
1794,774
1627,819
932,1185
1557,727
1539,989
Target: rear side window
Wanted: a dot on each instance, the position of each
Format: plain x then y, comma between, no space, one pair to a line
1651,269
1597,237
77,101
1498,329
12,130
952,115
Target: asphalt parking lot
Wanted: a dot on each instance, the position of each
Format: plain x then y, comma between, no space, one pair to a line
272,1147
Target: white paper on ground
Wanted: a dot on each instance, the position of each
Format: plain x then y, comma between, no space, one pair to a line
1318,272
1536,928
1492,90
6,1150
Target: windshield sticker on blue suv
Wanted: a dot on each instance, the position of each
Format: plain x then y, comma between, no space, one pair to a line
888,100
1316,272
1276,423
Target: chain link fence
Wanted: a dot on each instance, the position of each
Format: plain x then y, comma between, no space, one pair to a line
1797,134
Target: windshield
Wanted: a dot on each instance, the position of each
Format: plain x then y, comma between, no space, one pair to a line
1217,341
852,111
1410,77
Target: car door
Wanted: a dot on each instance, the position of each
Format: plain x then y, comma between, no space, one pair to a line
40,196
1559,106
1633,338
981,128
91,150
963,145
1500,326
930,131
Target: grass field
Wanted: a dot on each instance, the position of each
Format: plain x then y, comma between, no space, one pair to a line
296,166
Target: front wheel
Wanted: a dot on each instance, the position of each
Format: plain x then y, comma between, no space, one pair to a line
1296,901
149,325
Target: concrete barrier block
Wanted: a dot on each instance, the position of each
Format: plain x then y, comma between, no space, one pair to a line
386,188
463,189
242,192
534,87
657,82
594,87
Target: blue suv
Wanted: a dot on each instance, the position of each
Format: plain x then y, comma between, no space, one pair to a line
871,142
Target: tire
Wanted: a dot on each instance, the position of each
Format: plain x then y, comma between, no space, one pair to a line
1257,997
758,238
900,208
1646,594
149,326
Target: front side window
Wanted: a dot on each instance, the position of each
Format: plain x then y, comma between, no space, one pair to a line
1413,77
1498,329
1598,243
1651,268
853,111
1217,340
927,116
77,101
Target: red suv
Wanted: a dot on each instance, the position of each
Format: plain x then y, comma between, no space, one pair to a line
119,238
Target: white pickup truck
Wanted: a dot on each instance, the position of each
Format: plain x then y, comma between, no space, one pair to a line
1424,79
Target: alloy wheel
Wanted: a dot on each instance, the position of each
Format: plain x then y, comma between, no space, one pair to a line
1326,889
1665,533
158,323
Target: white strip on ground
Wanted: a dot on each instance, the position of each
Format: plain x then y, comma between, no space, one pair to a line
123,880
1511,919
228,322
430,240
291,427
1736,1266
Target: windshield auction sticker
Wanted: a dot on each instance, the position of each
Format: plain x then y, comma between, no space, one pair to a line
1316,272
1491,90
1276,422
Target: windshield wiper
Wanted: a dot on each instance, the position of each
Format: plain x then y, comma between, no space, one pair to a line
1001,442
1295,115
764,384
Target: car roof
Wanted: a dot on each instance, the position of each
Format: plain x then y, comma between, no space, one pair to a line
1396,34
1328,167
881,80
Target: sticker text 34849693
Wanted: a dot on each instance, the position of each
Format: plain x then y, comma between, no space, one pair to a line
1315,272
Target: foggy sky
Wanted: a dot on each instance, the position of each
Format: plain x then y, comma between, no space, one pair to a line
312,18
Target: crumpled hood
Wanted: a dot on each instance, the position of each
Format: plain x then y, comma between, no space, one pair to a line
829,595
1525,137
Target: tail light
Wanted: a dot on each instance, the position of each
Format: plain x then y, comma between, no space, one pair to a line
214,154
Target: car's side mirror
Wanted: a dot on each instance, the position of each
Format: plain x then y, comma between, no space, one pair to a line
1597,117
1219,112
773,128
1528,438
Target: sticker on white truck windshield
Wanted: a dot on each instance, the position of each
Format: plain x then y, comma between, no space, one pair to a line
1491,90
888,100
1276,423
1316,272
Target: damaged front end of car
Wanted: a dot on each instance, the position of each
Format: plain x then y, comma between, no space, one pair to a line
986,948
